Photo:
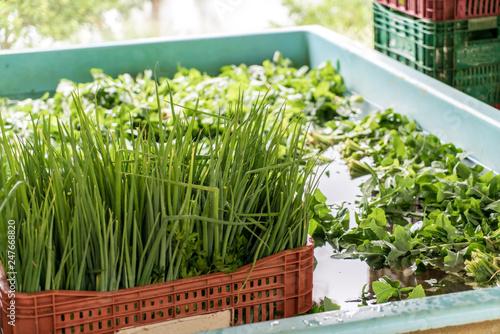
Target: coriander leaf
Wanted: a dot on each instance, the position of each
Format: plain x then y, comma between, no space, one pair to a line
418,292
330,306
315,309
443,221
495,206
493,187
408,289
318,196
463,170
393,254
453,260
384,291
487,177
394,284
378,215
313,225
401,238
399,147
380,231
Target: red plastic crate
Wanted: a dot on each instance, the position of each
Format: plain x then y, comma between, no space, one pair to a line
445,10
279,286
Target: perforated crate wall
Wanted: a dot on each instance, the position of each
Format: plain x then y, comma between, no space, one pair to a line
482,82
279,286
445,10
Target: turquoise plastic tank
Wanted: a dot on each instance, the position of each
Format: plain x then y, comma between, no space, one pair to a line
439,109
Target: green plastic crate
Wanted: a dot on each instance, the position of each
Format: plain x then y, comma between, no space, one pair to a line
482,82
442,50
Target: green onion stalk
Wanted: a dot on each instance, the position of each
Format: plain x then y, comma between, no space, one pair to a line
102,210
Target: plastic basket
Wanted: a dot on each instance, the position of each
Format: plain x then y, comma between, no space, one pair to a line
464,54
445,10
279,286
436,48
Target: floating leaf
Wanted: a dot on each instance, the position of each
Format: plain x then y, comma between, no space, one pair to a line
384,291
330,306
418,292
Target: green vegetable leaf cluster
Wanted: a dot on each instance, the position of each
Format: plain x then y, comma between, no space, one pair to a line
424,206
387,290
326,222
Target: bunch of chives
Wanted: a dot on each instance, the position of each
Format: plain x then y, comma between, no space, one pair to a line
95,212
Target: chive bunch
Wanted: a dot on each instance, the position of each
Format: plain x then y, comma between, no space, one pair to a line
96,211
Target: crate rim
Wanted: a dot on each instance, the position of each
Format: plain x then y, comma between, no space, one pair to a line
61,310
4,288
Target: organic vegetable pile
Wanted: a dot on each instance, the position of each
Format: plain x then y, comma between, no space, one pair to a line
130,181
424,206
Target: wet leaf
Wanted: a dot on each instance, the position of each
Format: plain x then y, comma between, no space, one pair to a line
418,292
330,306
384,291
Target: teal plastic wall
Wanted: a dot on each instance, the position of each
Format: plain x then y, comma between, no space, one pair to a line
32,73
439,109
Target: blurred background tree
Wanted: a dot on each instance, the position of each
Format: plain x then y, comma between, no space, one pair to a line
24,21
352,18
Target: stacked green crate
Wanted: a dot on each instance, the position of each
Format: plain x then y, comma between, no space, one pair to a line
464,54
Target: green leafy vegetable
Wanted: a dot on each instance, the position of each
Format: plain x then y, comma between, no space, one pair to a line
424,204
386,290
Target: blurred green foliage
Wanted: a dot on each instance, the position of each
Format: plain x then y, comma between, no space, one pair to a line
23,21
352,18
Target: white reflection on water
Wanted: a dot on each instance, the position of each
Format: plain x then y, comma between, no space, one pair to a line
339,279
